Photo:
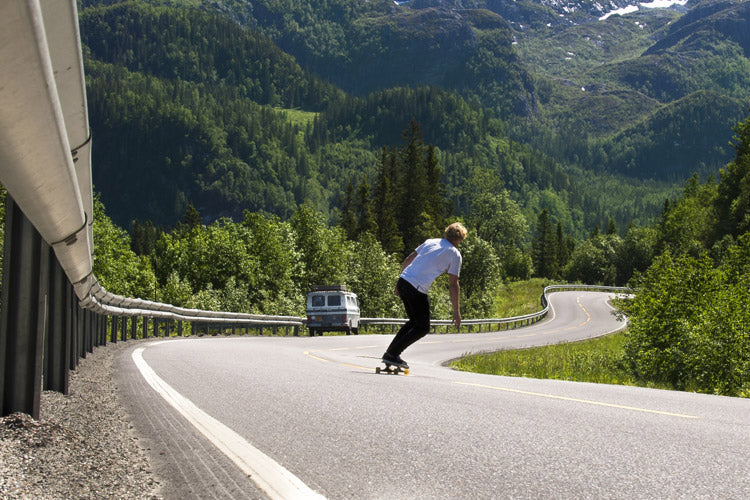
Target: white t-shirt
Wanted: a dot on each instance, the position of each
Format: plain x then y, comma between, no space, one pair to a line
434,257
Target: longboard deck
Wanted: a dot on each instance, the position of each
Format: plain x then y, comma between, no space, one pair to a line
392,369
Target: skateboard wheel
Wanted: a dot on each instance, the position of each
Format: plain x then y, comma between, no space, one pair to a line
406,371
377,369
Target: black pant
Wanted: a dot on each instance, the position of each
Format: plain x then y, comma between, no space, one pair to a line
417,306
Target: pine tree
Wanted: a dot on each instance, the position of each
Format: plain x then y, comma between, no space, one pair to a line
366,214
348,216
563,248
544,248
437,205
192,218
409,198
387,204
415,200
611,226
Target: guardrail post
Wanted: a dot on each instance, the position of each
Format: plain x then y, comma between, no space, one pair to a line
102,324
93,331
113,331
76,348
103,336
86,333
60,329
24,310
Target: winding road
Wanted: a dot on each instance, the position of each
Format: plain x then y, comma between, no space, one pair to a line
284,417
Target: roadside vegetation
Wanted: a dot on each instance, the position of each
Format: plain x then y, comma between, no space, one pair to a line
599,361
518,298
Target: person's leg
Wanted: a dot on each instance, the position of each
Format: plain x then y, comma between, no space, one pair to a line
403,291
417,305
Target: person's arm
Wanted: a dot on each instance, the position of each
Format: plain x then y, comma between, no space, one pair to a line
408,260
455,293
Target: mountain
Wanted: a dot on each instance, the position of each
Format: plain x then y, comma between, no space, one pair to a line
265,105
606,79
582,71
182,106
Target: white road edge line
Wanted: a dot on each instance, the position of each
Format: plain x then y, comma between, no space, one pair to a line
269,475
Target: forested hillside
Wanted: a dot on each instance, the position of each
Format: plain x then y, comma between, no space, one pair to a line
569,82
609,85
182,106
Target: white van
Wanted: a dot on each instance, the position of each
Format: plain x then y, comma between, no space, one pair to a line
332,308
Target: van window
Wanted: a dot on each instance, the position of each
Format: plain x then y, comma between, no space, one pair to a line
318,300
334,300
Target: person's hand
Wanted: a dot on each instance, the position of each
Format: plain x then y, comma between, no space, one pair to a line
395,291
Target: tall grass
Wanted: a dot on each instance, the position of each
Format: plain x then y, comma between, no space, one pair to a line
599,360
519,298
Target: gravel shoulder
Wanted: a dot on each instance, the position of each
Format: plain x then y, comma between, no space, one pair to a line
82,446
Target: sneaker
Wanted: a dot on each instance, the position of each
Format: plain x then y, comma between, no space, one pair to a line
394,360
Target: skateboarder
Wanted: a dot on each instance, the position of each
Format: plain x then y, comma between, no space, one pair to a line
431,259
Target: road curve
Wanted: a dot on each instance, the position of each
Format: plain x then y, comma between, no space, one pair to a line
315,408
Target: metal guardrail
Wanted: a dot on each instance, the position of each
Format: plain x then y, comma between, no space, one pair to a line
501,323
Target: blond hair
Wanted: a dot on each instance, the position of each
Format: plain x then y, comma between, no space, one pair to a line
455,232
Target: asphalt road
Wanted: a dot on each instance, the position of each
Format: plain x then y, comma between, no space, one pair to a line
312,412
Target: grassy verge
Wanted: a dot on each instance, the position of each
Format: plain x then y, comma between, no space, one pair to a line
519,298
598,360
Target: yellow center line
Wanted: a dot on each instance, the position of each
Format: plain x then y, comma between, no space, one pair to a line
588,316
310,354
356,366
576,400
352,348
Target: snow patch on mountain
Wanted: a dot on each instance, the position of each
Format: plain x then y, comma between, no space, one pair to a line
655,4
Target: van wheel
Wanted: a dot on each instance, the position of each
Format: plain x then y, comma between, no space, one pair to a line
312,332
355,331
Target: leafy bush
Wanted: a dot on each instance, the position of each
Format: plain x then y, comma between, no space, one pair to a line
690,324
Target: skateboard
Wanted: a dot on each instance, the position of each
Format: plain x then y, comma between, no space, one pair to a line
391,369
